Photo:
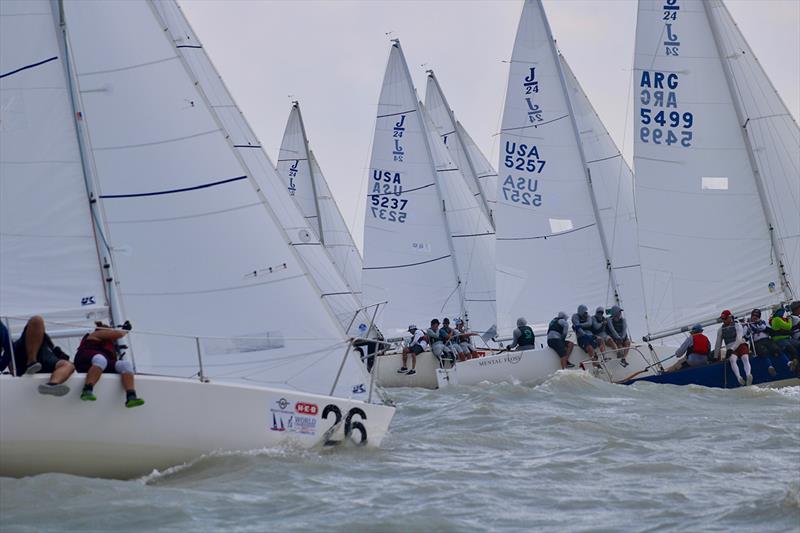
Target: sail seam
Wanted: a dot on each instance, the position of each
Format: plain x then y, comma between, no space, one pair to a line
540,124
473,235
26,67
408,265
173,191
206,291
154,143
545,236
129,67
395,114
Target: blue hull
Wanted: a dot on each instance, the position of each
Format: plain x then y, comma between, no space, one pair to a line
720,375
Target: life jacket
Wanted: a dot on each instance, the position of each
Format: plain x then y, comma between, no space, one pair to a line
555,326
598,326
617,323
526,338
92,347
700,344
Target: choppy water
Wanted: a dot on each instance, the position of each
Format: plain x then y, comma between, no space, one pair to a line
574,454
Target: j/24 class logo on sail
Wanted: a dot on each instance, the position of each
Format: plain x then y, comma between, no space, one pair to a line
530,85
385,201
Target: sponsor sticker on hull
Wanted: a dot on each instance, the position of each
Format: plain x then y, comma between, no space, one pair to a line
294,417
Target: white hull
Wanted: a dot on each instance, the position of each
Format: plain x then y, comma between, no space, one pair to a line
181,420
530,366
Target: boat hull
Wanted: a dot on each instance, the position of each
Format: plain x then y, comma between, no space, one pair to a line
529,366
720,375
181,420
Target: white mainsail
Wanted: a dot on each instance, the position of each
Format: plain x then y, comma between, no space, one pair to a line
198,250
336,293
408,259
612,185
304,181
481,179
550,250
49,261
703,223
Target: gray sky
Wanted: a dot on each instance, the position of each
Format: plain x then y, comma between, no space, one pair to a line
331,56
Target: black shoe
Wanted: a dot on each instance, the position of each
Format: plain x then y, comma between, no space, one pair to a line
402,370
623,363
570,365
411,372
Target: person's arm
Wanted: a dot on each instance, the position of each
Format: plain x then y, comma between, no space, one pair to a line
108,334
614,335
683,347
515,340
718,343
739,336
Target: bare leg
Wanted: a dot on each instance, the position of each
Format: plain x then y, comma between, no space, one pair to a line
93,375
34,336
63,371
127,381
413,361
570,346
627,344
405,356
611,345
564,361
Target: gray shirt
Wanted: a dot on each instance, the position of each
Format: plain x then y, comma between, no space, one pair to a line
433,335
582,327
618,328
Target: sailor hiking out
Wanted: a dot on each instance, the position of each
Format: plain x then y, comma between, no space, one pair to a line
694,351
759,333
618,337
415,346
557,332
730,332
582,324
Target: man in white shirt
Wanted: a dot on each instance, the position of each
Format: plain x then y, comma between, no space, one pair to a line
415,346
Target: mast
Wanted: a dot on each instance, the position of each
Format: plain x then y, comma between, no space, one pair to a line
786,287
459,138
296,104
103,248
587,172
459,286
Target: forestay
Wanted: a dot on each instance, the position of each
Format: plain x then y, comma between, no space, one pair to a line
550,255
49,262
704,238
612,184
480,177
304,181
407,255
197,248
336,293
471,234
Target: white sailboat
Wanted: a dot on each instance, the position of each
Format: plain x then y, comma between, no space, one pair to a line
717,159
132,188
304,181
564,213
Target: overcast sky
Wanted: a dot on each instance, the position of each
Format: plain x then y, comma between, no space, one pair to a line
331,56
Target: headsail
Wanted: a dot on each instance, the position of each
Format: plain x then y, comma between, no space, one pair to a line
198,249
550,254
703,227
49,261
408,258
612,183
304,181
480,177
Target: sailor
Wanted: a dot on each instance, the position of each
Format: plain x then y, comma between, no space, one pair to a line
782,332
582,324
795,336
599,324
617,328
758,331
97,353
437,343
523,336
415,346
557,332
448,336
465,339
35,352
696,349
735,346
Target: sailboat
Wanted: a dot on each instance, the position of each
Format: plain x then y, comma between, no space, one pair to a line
428,246
133,189
717,158
305,182
565,227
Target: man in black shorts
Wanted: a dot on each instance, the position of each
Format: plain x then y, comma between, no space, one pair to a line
557,332
34,352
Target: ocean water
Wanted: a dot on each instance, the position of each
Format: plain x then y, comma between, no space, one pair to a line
572,454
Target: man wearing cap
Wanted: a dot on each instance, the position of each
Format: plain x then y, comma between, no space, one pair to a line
416,346
523,336
782,333
735,346
763,344
437,342
696,349
557,332
599,324
448,336
617,329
